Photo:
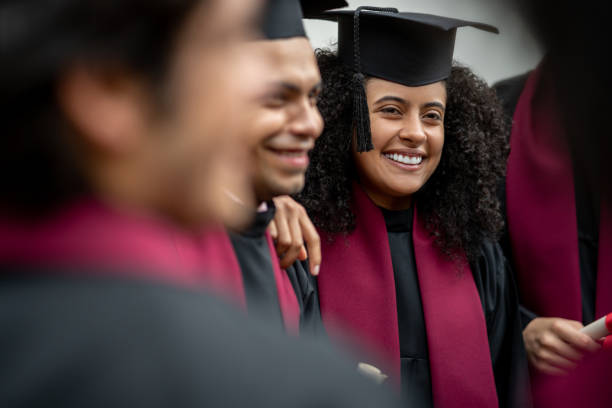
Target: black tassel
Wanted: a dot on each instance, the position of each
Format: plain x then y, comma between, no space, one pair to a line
361,114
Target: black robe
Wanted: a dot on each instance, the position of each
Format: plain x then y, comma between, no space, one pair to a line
587,212
254,257
498,296
117,342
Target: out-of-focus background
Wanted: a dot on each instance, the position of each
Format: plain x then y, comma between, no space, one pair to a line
493,57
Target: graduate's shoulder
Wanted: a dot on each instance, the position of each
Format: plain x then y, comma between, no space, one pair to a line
491,272
130,343
509,91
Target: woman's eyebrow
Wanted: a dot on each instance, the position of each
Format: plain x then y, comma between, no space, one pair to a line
434,105
392,99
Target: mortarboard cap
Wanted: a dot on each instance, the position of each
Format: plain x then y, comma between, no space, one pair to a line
411,49
283,18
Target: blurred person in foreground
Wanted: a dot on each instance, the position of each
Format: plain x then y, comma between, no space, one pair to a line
116,139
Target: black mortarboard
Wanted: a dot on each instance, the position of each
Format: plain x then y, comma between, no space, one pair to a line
283,18
412,49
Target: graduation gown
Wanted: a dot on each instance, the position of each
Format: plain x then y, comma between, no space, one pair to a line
555,224
254,277
450,331
557,227
95,312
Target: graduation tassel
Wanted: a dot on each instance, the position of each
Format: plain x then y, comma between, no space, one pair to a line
361,114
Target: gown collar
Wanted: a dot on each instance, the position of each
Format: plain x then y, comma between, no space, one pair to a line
398,220
263,217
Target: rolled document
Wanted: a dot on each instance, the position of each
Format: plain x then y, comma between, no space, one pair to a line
371,372
599,328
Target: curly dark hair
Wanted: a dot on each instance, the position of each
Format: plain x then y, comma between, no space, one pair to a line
459,203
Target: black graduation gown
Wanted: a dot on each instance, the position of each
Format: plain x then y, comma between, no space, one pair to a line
254,258
498,296
116,342
587,212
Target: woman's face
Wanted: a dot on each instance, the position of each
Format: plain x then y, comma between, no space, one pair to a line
408,135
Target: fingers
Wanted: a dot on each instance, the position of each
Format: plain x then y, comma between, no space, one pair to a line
550,357
283,238
273,230
303,255
569,331
556,345
313,243
549,362
292,253
297,237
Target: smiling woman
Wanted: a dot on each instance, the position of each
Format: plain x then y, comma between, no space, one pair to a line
402,187
407,134
457,188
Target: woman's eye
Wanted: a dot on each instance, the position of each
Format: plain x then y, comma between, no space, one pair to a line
433,116
391,110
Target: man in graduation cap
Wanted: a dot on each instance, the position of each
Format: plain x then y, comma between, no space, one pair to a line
284,126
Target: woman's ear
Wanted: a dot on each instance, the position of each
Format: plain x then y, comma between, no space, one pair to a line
107,108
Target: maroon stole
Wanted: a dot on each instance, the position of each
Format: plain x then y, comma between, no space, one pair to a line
223,269
90,236
357,296
226,276
541,211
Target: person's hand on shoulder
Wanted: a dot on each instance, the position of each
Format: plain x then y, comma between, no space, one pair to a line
295,235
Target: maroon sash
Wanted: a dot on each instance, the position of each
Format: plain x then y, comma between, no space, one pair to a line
541,212
226,276
357,295
91,235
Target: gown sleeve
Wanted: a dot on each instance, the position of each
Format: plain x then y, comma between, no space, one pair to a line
503,318
305,287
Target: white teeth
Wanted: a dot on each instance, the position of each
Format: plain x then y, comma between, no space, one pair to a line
405,159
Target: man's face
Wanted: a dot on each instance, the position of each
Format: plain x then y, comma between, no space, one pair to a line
202,153
284,122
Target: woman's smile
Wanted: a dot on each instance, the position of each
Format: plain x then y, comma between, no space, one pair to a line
406,160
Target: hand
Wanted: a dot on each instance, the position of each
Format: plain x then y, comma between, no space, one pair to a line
290,229
554,345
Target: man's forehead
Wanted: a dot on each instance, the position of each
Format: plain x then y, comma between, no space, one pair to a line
290,57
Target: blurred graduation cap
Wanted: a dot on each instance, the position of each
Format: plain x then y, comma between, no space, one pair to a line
412,49
283,18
